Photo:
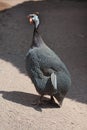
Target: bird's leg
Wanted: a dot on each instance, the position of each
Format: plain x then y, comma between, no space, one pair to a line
60,102
52,100
53,103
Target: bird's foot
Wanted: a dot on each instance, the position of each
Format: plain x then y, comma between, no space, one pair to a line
52,102
60,104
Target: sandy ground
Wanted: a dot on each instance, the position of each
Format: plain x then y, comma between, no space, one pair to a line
64,29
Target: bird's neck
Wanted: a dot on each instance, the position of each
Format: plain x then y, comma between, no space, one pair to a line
37,40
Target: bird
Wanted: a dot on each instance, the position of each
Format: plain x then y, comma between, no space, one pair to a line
46,70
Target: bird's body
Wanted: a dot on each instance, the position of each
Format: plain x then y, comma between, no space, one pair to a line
48,73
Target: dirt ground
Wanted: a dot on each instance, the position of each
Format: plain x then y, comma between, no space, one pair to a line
64,29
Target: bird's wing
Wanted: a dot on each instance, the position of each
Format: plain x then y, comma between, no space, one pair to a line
49,72
49,61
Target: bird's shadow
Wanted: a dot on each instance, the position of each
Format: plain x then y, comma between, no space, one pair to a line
27,99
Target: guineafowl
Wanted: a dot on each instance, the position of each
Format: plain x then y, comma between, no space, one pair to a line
46,70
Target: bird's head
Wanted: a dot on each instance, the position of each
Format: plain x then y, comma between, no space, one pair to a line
34,19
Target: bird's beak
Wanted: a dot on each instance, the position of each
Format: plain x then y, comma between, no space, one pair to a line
30,19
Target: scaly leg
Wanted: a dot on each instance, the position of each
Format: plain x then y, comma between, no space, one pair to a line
51,101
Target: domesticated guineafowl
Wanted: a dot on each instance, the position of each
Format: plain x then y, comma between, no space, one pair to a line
48,73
